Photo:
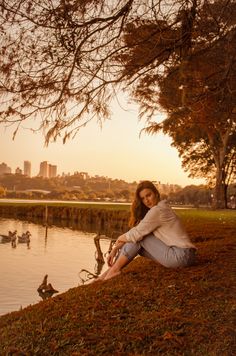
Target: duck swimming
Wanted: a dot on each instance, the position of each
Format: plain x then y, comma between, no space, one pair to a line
11,237
24,238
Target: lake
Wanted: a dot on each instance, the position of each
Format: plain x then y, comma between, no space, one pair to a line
61,253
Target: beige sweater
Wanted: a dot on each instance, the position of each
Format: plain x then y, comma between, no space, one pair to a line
164,224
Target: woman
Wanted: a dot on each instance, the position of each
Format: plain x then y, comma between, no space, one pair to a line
156,233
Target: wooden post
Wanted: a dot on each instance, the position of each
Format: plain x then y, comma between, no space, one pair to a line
46,222
46,215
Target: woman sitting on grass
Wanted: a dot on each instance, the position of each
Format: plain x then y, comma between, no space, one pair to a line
156,233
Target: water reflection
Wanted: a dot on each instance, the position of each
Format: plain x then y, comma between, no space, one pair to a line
86,275
60,253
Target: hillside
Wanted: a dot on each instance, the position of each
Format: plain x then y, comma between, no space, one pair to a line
147,310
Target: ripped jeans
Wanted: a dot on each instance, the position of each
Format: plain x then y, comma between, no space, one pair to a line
154,249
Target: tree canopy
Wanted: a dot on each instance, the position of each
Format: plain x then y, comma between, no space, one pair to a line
62,61
58,61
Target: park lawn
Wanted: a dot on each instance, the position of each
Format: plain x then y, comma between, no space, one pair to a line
147,310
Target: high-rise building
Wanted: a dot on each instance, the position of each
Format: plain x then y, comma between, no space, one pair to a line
43,170
52,170
4,169
27,168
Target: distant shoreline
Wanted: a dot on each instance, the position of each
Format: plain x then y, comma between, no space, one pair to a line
82,203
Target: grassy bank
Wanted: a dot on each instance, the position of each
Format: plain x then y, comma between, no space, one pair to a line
102,218
147,310
83,205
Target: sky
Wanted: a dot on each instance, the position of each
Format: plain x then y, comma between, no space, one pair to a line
116,151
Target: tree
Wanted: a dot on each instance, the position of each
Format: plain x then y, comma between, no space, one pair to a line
62,61
192,194
204,130
198,93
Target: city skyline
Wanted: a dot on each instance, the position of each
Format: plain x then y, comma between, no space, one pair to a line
43,170
46,170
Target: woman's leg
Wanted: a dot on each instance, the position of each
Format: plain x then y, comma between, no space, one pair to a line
168,256
114,270
154,249
125,256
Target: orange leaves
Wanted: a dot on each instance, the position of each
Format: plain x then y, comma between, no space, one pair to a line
174,338
168,335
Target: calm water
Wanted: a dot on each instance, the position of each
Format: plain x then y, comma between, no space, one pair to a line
61,253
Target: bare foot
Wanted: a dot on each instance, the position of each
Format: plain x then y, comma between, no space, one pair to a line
111,274
95,280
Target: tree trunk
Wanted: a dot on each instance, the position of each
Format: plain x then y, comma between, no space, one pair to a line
220,200
219,154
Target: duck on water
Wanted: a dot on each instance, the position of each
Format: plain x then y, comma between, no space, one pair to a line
24,238
11,237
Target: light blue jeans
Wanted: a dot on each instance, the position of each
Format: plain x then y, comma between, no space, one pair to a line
156,250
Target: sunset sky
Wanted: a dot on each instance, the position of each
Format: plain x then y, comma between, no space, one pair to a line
115,151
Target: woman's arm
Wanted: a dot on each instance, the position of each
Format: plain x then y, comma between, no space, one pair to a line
150,222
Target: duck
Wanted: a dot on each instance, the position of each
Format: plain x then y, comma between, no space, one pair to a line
46,287
11,237
25,237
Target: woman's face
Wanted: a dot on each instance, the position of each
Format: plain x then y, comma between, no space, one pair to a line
148,198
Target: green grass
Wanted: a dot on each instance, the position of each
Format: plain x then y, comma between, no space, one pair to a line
226,215
70,204
186,213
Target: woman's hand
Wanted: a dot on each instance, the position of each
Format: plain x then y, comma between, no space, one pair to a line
111,256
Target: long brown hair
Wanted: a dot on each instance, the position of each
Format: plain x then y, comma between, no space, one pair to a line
138,209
